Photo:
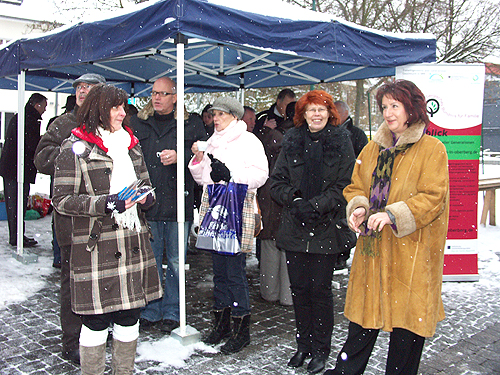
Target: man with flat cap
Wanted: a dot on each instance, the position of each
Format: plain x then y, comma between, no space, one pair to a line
45,156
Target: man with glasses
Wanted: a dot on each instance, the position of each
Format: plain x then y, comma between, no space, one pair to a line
156,127
45,156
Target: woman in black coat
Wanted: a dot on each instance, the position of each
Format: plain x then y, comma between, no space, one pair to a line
314,166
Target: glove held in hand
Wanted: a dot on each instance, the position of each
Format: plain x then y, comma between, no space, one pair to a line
114,204
219,170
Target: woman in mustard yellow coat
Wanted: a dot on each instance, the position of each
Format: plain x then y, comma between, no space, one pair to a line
398,203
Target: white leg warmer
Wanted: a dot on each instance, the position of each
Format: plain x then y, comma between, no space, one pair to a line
126,334
92,338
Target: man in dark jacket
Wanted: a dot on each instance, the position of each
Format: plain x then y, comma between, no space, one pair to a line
45,156
156,127
358,136
33,111
276,114
359,140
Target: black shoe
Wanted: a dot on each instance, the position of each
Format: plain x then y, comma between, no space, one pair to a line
72,356
56,265
169,325
316,365
298,359
27,242
340,264
145,324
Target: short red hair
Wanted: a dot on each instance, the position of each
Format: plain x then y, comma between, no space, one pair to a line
318,97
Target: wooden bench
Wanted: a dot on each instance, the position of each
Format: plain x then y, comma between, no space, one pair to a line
489,185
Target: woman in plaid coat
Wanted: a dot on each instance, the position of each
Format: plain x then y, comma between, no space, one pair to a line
113,269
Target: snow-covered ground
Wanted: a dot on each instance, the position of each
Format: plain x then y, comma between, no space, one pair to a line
19,281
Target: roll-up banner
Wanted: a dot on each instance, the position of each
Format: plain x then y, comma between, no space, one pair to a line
454,94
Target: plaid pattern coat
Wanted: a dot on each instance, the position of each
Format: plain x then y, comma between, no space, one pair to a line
112,268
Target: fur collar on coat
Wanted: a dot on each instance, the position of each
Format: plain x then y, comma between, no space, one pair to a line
384,137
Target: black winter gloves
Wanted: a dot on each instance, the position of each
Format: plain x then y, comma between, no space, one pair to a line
219,170
303,211
113,203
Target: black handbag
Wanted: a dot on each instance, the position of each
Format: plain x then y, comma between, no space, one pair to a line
346,238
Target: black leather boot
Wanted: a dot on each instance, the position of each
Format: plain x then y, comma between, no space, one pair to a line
221,327
298,359
240,337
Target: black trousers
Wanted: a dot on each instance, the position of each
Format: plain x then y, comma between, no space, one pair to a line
71,323
405,350
311,283
100,322
10,191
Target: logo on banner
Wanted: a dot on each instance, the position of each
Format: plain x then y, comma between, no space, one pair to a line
432,106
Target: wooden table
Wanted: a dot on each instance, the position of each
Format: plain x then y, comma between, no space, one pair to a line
489,185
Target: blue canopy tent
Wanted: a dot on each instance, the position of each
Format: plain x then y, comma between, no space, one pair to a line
206,46
225,49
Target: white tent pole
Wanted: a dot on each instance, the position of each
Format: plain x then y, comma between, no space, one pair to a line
21,80
181,209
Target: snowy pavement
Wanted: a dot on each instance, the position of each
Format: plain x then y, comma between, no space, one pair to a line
466,342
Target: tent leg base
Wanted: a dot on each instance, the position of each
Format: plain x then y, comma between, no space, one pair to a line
190,336
26,258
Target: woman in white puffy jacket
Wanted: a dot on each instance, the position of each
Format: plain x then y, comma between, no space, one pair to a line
233,154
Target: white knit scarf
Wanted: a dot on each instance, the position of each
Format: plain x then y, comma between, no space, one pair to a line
122,175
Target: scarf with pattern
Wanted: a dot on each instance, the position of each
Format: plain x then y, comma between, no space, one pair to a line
379,194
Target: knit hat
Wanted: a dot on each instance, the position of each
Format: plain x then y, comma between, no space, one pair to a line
230,105
90,78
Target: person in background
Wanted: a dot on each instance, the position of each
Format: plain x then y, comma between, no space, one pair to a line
398,202
113,270
358,136
132,110
45,155
274,281
313,167
358,140
68,107
208,121
33,111
249,118
275,115
236,155
289,114
156,127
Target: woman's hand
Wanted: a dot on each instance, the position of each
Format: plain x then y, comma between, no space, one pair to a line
129,203
377,221
197,153
357,218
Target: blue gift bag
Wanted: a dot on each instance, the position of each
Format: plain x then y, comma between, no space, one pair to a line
220,229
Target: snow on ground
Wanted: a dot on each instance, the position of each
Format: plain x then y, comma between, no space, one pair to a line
19,281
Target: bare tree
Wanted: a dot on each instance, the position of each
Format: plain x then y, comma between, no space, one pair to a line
79,8
465,30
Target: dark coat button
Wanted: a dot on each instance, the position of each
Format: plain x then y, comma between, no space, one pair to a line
135,250
115,226
93,236
107,171
118,255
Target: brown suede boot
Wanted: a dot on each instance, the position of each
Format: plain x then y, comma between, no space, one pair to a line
93,359
123,357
